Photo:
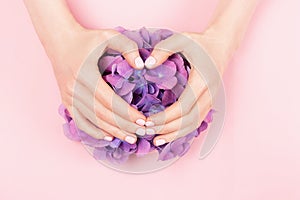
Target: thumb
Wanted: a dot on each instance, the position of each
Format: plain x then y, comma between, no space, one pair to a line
127,48
164,49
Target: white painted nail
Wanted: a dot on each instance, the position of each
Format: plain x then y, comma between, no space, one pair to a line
130,139
160,142
140,131
150,61
149,123
140,122
150,131
139,62
108,138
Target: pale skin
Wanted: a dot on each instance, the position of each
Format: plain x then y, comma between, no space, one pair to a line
68,46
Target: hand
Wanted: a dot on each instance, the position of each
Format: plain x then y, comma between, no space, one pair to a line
79,84
189,111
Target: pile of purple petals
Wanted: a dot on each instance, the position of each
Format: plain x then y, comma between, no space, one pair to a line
149,91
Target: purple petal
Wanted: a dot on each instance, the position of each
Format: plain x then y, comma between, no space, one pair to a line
168,98
154,38
167,69
69,133
182,80
126,88
168,84
144,53
191,135
186,147
135,36
209,116
164,33
120,29
62,110
168,156
128,97
124,69
129,148
115,143
164,151
177,90
203,126
143,147
145,35
114,80
99,153
106,62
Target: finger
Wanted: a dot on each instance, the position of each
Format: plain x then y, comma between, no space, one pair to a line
162,139
114,131
196,85
85,125
164,49
89,76
98,111
194,117
127,48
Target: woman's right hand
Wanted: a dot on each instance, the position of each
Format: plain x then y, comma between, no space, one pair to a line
88,98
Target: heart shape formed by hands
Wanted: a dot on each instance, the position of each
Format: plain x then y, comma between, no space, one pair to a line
149,91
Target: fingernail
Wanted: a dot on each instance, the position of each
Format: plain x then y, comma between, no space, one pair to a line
130,139
160,142
150,131
108,138
140,122
150,61
139,62
140,131
149,123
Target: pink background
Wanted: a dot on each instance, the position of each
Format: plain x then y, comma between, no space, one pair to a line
258,156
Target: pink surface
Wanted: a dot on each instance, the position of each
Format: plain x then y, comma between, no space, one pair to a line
258,156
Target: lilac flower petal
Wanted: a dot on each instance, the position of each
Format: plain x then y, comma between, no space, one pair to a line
106,62
178,60
182,80
177,142
164,152
143,147
144,53
209,116
99,153
115,143
167,69
124,69
115,80
154,38
164,33
120,29
186,147
177,90
203,126
134,35
145,35
191,135
69,134
126,88
62,110
168,98
168,84
128,97
169,155
117,154
129,148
